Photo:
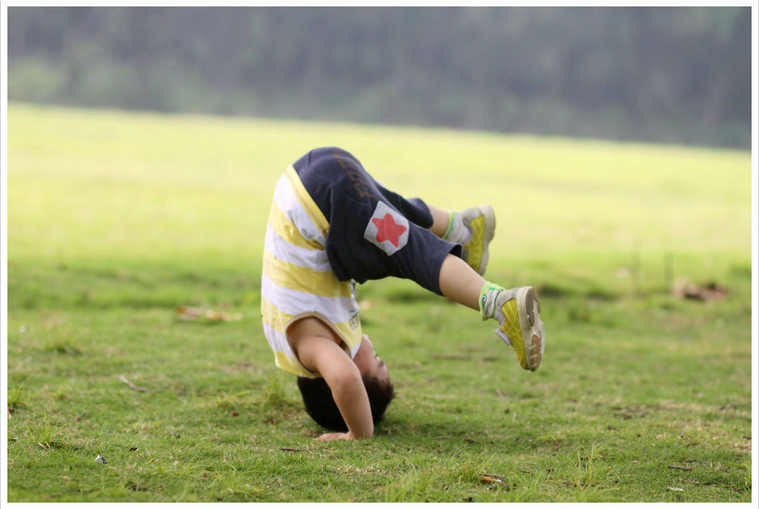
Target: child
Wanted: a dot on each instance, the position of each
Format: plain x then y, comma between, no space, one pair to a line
331,226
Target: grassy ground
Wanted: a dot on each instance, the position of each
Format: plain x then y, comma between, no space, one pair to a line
116,219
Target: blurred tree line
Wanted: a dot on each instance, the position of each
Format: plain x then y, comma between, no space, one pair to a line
672,75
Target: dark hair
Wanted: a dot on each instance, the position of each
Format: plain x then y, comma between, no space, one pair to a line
317,396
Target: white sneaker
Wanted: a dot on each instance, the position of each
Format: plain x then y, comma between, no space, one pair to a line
481,222
518,312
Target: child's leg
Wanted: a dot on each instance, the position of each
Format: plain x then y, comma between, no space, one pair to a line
440,220
460,283
517,310
460,278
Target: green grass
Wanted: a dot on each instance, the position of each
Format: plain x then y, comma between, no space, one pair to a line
115,219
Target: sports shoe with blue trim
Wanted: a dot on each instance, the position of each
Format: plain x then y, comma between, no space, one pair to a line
518,313
481,222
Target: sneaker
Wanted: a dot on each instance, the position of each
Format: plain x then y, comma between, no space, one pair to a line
481,222
518,312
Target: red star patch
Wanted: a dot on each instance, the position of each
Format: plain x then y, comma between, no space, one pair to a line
388,229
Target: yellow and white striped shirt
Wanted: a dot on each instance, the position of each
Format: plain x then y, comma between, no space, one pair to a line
297,278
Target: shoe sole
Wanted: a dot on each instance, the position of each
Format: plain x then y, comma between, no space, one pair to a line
531,325
487,212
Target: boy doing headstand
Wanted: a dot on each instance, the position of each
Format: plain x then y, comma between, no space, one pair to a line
330,226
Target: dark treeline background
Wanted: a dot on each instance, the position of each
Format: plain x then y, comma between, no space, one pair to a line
669,75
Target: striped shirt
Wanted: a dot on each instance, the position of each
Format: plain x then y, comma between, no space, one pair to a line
297,279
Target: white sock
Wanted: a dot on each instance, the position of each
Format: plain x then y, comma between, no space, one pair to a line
488,296
457,231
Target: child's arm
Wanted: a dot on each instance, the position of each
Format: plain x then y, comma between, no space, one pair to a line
318,352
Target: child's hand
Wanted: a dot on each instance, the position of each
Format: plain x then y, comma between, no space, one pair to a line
335,436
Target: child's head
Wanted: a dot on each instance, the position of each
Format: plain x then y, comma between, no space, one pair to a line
322,408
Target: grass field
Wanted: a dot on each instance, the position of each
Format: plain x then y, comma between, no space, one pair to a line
115,219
